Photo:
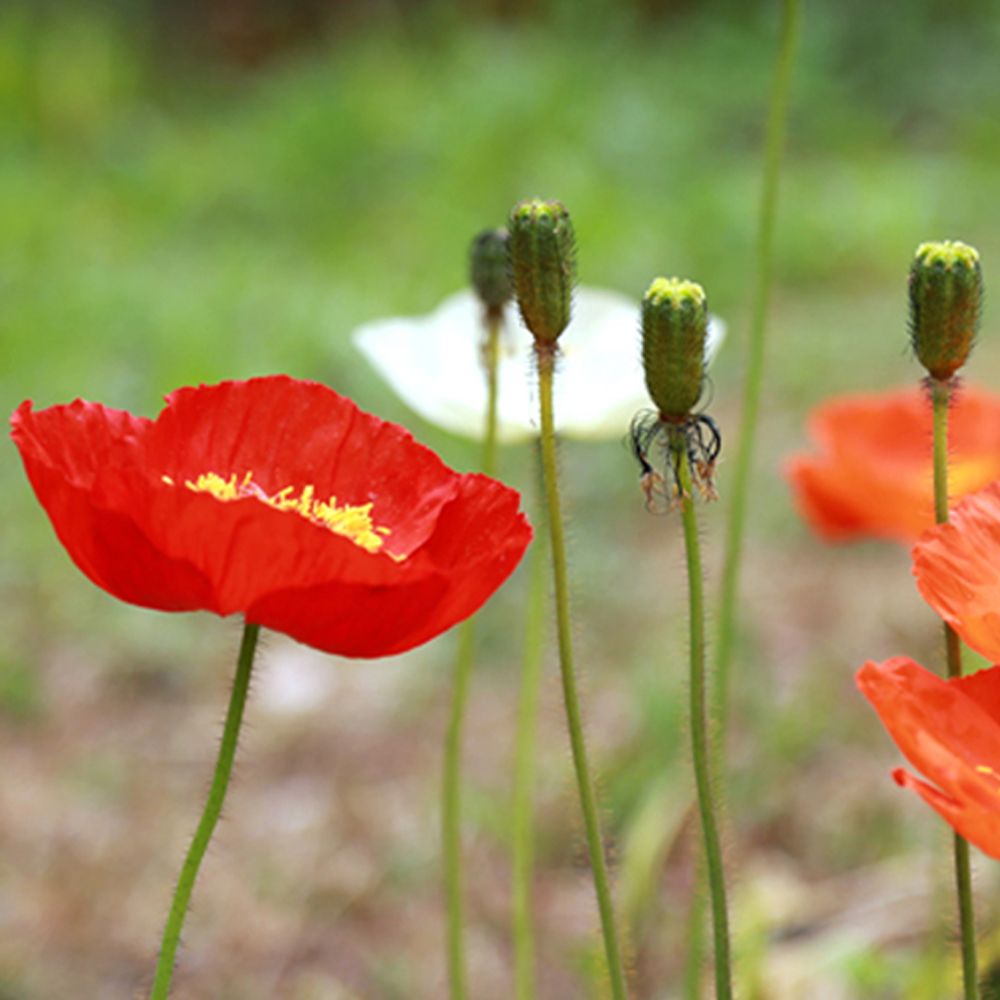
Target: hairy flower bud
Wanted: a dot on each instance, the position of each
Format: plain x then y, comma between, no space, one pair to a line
543,265
489,271
674,327
946,296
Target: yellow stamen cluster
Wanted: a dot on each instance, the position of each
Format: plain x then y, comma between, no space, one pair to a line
353,521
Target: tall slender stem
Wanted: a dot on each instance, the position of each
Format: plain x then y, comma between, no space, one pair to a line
699,728
940,398
209,818
524,771
736,522
451,799
753,380
546,354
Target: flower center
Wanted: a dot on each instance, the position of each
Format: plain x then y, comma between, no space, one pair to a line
353,521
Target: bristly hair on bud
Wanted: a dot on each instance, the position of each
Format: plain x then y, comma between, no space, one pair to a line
543,265
946,298
489,269
674,332
674,328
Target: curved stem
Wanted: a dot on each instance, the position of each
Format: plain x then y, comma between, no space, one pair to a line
940,398
545,354
524,772
451,800
736,522
210,816
699,728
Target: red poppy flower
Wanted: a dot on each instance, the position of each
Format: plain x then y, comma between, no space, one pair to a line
873,475
949,731
957,566
278,499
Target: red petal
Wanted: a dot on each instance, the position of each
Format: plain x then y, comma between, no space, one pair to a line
957,568
66,452
941,727
980,826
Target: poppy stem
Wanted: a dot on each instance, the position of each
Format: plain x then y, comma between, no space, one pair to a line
210,816
737,515
545,353
736,522
940,399
699,727
522,810
451,797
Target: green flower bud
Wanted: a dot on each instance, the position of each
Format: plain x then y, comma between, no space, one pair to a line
674,327
543,265
489,270
946,297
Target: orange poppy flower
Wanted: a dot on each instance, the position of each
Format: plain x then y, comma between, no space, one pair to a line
278,499
949,730
957,567
873,475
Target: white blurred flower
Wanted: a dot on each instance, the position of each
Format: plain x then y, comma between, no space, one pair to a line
434,364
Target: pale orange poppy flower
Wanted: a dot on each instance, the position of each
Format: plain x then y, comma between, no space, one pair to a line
872,473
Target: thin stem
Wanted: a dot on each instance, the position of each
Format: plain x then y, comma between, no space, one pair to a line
210,816
699,729
451,798
545,354
523,811
736,522
451,809
940,398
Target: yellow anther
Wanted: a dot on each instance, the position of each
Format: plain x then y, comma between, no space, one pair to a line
352,521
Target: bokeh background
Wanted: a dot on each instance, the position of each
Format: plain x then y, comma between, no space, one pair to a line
192,191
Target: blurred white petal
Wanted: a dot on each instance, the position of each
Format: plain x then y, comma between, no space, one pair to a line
433,364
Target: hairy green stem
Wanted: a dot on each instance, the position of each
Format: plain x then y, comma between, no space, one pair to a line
940,399
451,793
700,747
209,817
742,465
523,811
546,354
736,522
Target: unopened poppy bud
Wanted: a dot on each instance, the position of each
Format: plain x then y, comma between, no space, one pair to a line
489,270
543,265
946,297
674,327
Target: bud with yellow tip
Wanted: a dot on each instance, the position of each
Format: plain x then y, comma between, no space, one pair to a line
674,328
946,296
